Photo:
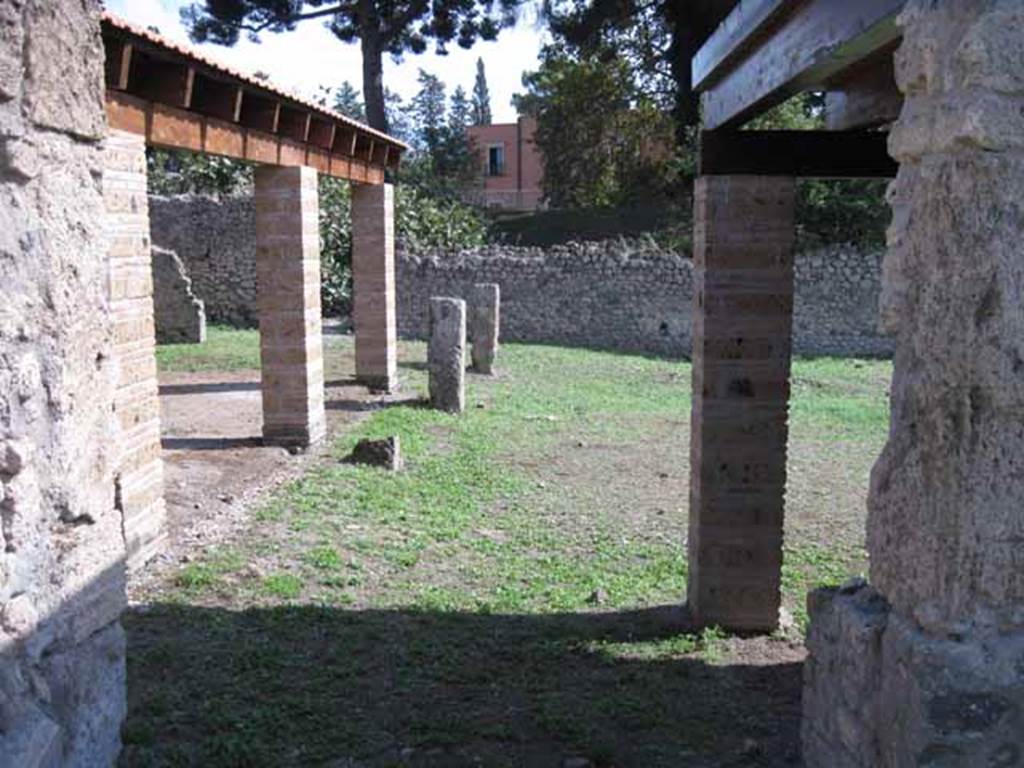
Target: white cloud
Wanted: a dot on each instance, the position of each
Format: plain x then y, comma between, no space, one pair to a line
310,56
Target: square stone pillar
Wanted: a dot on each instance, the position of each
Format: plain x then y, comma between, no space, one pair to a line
373,285
139,478
742,339
288,296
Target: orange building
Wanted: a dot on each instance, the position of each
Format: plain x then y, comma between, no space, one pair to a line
510,165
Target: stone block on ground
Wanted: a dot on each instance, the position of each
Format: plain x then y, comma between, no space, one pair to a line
386,453
483,325
446,354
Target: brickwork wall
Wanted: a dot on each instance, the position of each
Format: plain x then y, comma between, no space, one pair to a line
373,279
288,276
742,342
62,648
139,475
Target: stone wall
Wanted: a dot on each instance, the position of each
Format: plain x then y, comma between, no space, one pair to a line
926,665
216,240
612,295
62,551
178,313
622,296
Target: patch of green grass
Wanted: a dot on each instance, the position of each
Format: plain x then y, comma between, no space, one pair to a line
286,586
492,596
225,349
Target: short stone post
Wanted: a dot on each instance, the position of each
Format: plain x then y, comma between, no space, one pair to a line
484,311
288,288
373,285
742,337
446,354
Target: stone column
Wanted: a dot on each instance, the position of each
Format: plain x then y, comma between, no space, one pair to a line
62,538
373,285
288,295
139,475
926,665
484,312
446,354
742,337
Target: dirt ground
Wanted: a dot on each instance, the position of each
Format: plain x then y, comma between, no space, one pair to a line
216,468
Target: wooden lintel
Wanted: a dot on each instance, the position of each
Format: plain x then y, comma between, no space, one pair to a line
174,128
801,154
866,99
259,113
118,65
805,46
734,36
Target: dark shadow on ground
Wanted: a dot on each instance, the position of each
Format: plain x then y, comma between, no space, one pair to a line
209,388
413,366
209,443
324,686
364,406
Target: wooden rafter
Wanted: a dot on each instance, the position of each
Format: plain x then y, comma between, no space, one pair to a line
769,50
806,154
178,98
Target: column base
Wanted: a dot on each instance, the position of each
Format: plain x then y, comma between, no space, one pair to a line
379,385
881,693
294,438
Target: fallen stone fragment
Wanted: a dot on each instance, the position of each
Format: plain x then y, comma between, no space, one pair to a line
386,453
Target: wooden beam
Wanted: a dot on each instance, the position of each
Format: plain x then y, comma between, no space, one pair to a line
747,22
164,81
165,126
812,44
321,134
260,113
806,154
118,64
867,99
217,99
294,124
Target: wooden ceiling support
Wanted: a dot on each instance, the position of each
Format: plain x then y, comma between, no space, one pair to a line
801,154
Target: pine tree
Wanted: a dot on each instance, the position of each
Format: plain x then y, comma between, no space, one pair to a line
481,96
346,100
379,26
428,114
460,111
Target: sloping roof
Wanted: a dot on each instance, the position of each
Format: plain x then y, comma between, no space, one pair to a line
116,25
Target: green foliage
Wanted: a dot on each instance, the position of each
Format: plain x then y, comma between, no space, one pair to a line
603,142
422,220
173,172
481,96
829,210
444,162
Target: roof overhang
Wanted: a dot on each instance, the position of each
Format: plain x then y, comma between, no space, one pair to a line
179,98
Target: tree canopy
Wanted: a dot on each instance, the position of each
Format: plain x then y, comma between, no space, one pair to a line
380,26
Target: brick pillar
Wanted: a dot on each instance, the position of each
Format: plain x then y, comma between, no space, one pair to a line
742,337
373,278
139,475
288,296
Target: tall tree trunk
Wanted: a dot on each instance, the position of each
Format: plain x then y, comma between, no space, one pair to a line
373,75
690,25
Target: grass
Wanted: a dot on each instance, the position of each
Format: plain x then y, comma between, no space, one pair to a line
225,349
501,601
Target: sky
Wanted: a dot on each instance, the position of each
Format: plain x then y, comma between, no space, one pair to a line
311,56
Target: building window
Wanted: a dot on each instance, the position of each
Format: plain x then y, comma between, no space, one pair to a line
496,160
